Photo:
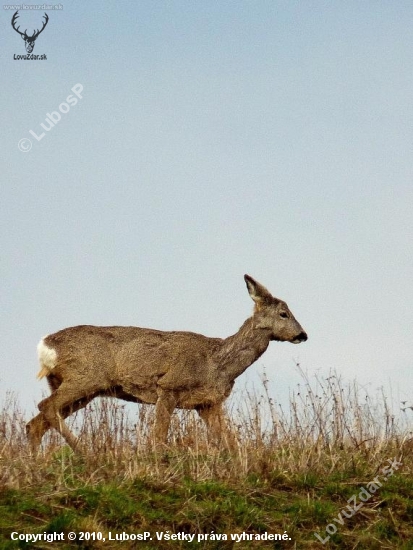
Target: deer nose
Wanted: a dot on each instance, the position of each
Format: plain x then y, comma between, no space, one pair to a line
302,337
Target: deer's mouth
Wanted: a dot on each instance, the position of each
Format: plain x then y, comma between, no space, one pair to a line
302,337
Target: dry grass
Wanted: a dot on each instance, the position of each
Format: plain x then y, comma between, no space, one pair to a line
332,438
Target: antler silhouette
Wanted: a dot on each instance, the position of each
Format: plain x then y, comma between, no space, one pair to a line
13,21
28,40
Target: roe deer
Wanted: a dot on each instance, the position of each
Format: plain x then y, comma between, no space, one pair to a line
168,369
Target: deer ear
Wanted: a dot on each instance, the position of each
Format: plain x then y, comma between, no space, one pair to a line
257,291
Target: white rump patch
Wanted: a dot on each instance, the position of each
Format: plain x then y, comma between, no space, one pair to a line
47,356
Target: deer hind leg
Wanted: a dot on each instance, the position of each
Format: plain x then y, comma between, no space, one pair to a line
35,429
164,408
63,402
38,426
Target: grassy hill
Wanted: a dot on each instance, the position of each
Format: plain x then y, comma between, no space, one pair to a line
337,464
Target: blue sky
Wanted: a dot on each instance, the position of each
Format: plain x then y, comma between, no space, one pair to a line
212,139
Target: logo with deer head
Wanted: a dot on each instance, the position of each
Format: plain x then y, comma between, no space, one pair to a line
28,40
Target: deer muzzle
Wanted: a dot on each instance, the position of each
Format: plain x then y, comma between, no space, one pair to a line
302,337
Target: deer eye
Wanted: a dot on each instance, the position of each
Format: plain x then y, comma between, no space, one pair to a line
284,315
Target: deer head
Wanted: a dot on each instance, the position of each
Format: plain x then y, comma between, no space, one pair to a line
28,40
273,315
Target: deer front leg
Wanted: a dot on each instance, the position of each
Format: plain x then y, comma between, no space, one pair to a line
214,419
164,408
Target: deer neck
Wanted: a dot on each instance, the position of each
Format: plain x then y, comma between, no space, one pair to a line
242,349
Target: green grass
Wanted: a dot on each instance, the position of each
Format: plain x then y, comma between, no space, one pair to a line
106,501
296,482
